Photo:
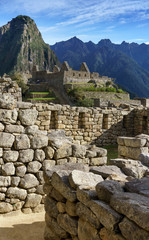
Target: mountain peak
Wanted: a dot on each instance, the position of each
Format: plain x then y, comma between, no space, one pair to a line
104,42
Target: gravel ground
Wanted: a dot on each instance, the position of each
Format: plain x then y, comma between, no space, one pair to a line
19,226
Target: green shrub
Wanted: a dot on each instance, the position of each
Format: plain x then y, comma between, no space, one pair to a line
86,102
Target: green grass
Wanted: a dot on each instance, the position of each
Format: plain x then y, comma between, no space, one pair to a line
39,92
112,152
41,98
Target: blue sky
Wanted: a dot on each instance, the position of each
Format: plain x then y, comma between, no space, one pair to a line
59,20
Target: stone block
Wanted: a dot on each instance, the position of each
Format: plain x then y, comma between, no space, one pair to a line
21,170
51,207
22,142
39,155
71,208
106,171
108,217
85,196
6,140
84,179
33,200
26,155
134,142
14,192
105,234
14,128
69,224
107,188
39,141
10,156
8,116
78,151
29,181
63,152
5,207
28,116
5,181
87,215
33,167
130,229
49,152
98,161
134,206
8,169
87,231
61,183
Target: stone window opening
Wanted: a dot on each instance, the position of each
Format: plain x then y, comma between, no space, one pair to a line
73,74
53,120
144,123
105,121
81,120
124,121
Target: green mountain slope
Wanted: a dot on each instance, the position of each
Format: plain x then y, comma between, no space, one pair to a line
117,61
21,46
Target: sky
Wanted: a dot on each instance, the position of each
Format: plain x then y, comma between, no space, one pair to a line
89,20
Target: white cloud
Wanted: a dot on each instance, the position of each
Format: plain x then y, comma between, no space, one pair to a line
79,11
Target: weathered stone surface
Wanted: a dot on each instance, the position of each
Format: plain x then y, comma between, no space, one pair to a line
144,159
21,170
98,161
39,175
1,127
14,192
107,188
57,196
69,224
130,167
87,231
105,234
28,116
58,138
24,105
131,152
1,152
39,190
22,142
87,215
63,151
85,196
26,210
6,140
33,200
78,151
39,208
140,186
52,223
48,164
14,128
32,130
18,205
8,169
68,166
134,142
61,161
106,171
61,207
39,141
39,155
60,182
2,196
131,231
8,116
5,181
49,152
71,208
10,156
120,141
26,155
101,152
51,207
29,181
134,206
84,179
50,235
108,217
15,181
33,167
5,207
91,154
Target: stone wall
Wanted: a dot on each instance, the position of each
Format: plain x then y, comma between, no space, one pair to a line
82,205
132,147
25,152
9,89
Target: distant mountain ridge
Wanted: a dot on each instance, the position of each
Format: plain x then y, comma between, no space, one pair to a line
21,46
128,63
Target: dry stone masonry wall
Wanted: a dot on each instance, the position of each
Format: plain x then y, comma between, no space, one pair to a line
86,204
